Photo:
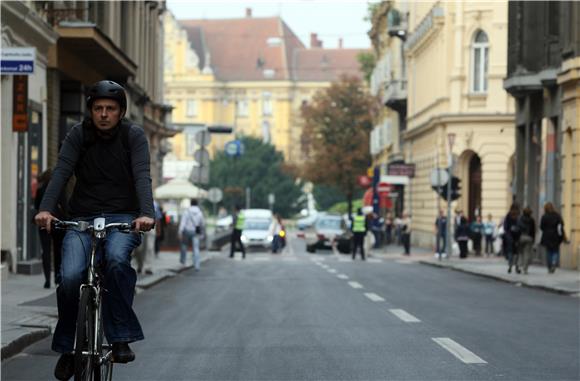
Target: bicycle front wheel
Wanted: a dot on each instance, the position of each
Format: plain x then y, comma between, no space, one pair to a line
86,354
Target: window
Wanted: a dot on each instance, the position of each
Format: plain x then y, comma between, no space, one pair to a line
242,107
266,103
479,62
191,109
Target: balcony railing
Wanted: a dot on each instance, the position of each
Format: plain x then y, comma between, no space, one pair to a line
55,16
395,91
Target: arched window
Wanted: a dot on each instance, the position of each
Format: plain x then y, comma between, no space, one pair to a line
479,62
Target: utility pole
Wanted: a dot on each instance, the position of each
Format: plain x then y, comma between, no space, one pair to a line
437,216
450,139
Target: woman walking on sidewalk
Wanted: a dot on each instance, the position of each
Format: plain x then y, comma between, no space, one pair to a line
527,227
489,230
553,235
512,236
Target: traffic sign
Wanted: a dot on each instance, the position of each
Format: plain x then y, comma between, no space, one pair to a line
201,156
203,138
439,177
215,195
199,175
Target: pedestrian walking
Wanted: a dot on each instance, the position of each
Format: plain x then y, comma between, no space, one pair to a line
52,240
160,225
359,230
389,228
236,237
441,234
476,230
276,227
461,233
406,233
552,227
191,229
489,232
527,227
398,225
145,252
512,236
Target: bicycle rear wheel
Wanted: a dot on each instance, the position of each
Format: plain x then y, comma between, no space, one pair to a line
86,357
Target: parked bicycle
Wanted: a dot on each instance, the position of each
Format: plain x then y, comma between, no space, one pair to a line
93,357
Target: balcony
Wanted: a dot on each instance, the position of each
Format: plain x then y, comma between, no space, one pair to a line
395,94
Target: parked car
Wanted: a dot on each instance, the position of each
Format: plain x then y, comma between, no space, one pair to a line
224,223
306,222
329,231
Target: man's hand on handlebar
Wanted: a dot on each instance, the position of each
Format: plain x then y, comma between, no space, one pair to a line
143,223
44,220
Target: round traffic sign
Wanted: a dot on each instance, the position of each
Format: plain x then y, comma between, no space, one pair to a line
439,177
203,138
383,187
201,156
214,195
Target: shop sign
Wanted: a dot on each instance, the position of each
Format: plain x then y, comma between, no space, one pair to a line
401,170
17,61
20,103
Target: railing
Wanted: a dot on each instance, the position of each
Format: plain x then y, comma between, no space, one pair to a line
56,16
395,90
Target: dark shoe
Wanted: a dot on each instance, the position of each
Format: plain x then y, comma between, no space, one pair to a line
65,367
518,270
122,353
46,284
509,270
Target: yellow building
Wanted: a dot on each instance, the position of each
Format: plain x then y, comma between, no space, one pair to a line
249,73
456,55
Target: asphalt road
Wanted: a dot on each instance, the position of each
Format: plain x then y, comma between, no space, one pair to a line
299,316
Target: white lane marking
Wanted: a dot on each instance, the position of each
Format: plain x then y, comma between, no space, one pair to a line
344,259
332,271
261,259
289,258
342,276
404,316
374,297
374,260
355,285
459,351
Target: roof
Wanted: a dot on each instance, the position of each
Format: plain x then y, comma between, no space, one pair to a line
325,64
251,49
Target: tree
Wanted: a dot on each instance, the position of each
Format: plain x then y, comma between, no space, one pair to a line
367,63
335,140
260,168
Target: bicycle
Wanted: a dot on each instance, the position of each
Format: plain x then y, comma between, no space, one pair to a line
93,358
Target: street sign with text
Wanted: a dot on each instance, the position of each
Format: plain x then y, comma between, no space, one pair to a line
401,170
17,61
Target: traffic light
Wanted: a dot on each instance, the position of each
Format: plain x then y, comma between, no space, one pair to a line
455,188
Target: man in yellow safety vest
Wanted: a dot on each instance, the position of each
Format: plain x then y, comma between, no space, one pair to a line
359,230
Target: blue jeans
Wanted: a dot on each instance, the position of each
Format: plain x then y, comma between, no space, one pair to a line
441,243
189,237
552,258
119,320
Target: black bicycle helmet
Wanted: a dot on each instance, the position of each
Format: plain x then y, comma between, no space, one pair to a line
109,90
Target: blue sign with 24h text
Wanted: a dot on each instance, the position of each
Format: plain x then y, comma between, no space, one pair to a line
17,67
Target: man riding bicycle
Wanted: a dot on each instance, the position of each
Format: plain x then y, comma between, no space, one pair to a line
110,159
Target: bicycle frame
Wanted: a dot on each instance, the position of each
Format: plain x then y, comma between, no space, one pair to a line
100,352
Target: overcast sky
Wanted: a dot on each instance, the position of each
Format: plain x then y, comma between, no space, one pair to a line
331,20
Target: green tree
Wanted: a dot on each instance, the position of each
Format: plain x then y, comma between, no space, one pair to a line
367,63
335,139
260,168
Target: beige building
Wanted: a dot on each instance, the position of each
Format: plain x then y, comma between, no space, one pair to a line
251,74
454,62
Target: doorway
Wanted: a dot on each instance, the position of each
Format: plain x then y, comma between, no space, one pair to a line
474,188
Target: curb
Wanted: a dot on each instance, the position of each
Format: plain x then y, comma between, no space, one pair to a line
16,346
497,277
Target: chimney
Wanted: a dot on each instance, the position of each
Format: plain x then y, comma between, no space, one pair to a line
314,41
248,12
340,43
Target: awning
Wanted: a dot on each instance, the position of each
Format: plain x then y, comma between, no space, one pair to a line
178,189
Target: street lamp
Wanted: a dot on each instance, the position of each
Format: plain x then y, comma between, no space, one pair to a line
450,140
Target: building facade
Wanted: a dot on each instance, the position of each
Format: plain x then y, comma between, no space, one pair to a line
543,77
449,80
251,74
78,43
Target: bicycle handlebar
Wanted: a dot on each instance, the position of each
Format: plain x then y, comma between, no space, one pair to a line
84,226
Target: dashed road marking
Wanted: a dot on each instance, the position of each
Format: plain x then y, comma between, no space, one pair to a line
344,260
289,258
332,271
342,276
355,285
374,297
404,316
459,351
374,260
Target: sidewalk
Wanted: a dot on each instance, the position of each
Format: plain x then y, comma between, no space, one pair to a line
29,311
563,281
